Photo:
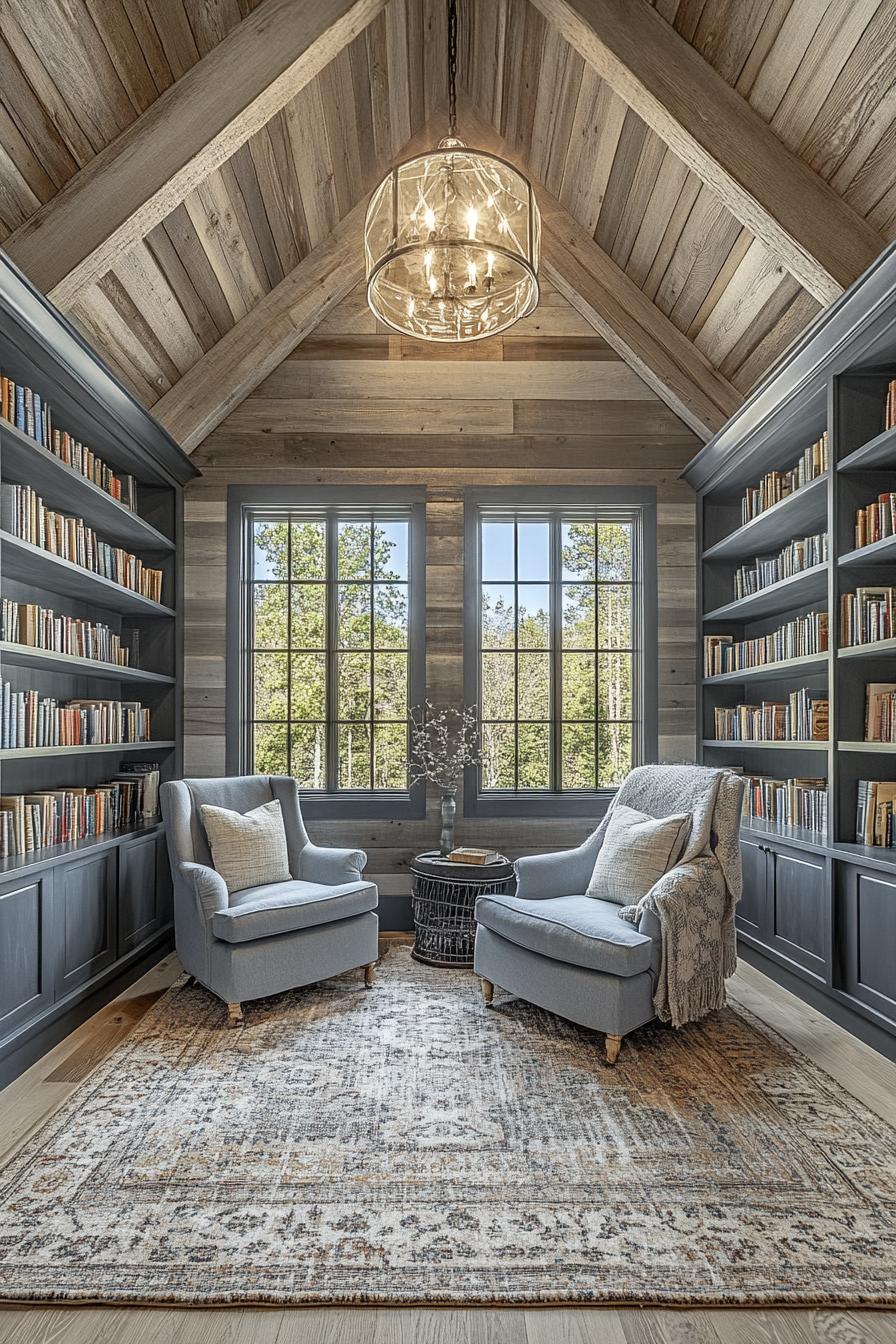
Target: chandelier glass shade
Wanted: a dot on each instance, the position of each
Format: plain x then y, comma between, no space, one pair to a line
452,242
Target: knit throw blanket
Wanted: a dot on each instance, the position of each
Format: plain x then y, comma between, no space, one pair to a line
695,901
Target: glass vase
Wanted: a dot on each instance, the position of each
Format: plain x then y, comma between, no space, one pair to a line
449,812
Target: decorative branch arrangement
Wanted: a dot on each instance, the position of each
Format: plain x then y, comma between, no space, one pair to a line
443,741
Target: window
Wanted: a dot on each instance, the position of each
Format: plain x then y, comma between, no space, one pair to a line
330,592
556,647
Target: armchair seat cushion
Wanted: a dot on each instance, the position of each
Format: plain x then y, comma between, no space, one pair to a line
578,930
283,907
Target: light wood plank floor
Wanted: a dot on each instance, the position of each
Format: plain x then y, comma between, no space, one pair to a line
30,1099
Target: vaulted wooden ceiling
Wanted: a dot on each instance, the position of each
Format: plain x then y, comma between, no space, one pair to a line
187,178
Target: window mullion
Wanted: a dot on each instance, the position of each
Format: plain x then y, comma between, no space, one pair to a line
331,643
555,596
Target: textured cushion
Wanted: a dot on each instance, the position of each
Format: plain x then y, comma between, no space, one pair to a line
574,929
249,848
284,907
636,852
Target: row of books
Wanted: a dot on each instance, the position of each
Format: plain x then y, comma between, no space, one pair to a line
26,409
890,407
795,639
800,554
33,821
788,802
41,628
28,719
877,520
874,813
880,711
777,485
24,514
866,616
803,717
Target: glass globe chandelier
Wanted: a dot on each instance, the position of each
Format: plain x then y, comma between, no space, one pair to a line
452,238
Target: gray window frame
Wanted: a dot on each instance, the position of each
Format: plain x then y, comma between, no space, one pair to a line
640,503
243,504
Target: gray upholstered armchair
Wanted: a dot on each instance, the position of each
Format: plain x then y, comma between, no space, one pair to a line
268,939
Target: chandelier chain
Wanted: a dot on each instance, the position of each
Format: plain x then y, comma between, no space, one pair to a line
452,67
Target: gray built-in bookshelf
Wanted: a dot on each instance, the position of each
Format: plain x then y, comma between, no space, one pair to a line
819,905
81,917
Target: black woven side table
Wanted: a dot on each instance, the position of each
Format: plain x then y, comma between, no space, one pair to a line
442,898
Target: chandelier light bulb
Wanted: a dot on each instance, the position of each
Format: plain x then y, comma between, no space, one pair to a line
472,221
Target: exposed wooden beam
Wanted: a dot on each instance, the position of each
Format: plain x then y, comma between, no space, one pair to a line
820,239
616,308
190,130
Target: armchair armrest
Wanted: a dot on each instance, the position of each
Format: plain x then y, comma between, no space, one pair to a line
208,885
565,872
331,866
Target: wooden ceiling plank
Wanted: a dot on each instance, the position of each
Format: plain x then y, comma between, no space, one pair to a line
783,58
181,281
677,223
559,82
305,124
40,108
282,206
150,43
818,236
249,203
338,103
212,216
396,15
435,64
17,197
186,242
122,343
378,92
712,245
419,380
761,49
766,321
596,128
787,329
716,291
125,53
640,196
657,214
753,285
190,130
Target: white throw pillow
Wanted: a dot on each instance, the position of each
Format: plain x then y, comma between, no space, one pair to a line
636,852
248,849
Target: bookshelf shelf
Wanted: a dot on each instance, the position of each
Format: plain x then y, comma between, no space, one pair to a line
22,864
798,836
780,671
764,745
800,589
33,565
878,552
878,453
66,490
797,515
98,748
879,648
885,747
870,856
45,660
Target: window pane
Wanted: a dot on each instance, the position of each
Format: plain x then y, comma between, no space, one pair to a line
497,616
615,686
354,756
354,685
534,615
614,612
497,552
534,686
389,756
309,759
498,686
390,614
614,551
390,685
390,550
577,698
577,765
353,550
269,609
270,755
577,547
309,549
615,753
270,681
535,756
309,605
578,615
270,550
354,616
497,756
309,686
533,542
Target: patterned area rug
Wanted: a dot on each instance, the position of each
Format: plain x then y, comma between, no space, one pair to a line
409,1145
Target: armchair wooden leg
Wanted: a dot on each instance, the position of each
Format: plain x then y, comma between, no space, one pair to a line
235,1015
368,974
488,991
614,1045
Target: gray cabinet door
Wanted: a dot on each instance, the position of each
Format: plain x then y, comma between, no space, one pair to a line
866,937
799,909
85,919
751,913
26,967
138,899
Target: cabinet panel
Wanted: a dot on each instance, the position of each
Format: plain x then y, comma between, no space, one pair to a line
85,903
866,919
164,881
752,907
139,903
799,908
26,979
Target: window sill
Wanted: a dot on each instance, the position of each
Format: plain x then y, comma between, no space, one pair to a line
530,804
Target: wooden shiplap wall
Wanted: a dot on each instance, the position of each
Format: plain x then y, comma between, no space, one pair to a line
548,404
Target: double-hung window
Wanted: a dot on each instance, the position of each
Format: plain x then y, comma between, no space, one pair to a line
330,614
560,646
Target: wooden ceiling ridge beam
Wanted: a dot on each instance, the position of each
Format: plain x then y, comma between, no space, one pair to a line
617,308
190,130
818,237
270,331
